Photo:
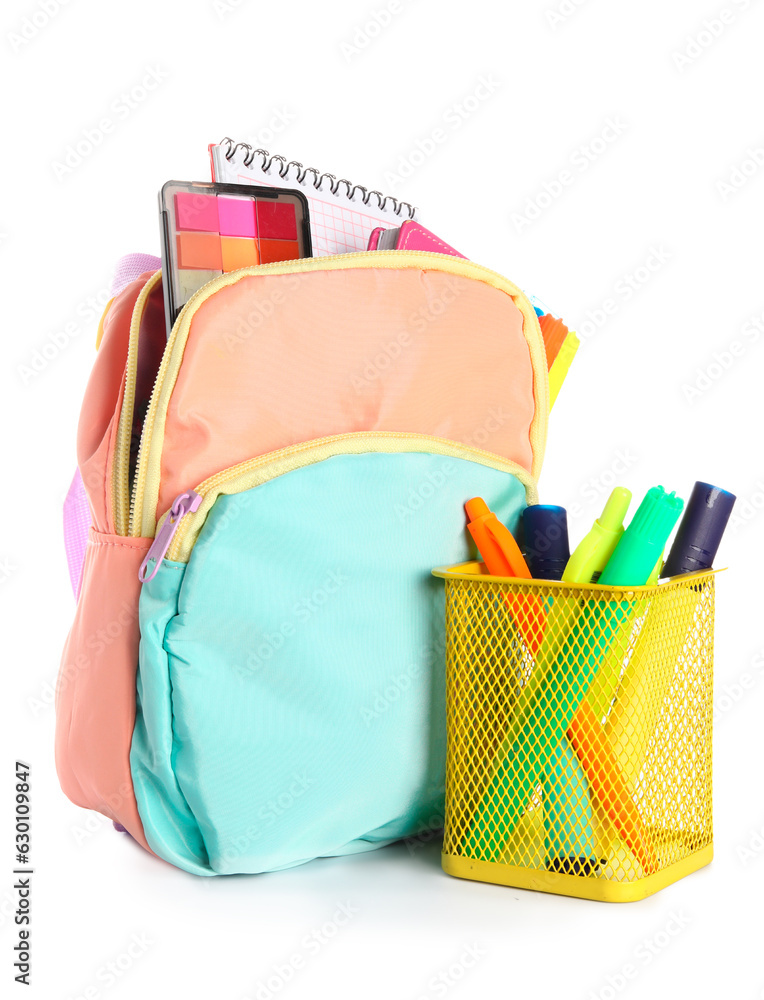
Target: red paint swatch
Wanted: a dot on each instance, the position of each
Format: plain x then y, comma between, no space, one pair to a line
276,221
273,250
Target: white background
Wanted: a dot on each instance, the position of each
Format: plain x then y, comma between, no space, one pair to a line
359,103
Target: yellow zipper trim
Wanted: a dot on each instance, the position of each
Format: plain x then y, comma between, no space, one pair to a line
101,321
121,462
146,485
256,471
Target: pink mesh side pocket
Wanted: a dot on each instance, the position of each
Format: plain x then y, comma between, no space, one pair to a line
77,516
77,523
132,266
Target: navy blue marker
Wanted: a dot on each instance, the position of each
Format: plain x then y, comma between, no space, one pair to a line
545,541
700,530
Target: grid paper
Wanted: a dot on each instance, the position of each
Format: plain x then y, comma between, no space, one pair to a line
337,223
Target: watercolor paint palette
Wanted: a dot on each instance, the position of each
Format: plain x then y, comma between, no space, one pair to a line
211,229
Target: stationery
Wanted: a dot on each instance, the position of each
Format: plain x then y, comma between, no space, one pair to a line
410,236
342,214
547,706
545,540
561,366
554,332
700,530
569,837
592,553
643,689
211,229
503,557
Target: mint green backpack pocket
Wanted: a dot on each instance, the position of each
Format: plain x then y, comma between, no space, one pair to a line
291,693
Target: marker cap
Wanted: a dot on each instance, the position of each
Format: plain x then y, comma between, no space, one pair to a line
595,549
476,507
700,531
547,551
642,543
615,509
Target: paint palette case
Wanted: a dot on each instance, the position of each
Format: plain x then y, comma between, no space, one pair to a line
211,229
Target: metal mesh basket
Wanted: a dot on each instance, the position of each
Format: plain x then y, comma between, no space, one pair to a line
579,733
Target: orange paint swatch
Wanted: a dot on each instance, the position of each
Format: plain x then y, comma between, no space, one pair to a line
199,250
238,253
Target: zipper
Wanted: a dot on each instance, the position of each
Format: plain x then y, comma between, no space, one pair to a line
184,503
178,532
121,474
146,477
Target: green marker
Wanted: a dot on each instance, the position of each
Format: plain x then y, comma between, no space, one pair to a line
637,556
560,683
569,837
642,544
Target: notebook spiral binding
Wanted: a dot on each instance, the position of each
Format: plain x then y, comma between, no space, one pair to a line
268,159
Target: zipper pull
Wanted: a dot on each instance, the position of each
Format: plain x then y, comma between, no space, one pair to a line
184,503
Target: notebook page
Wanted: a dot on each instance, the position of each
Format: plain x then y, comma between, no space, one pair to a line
342,214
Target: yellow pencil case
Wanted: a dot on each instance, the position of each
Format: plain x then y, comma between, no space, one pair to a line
580,766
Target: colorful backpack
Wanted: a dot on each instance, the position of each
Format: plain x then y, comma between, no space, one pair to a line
283,474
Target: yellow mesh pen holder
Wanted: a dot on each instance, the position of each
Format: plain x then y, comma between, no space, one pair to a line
579,733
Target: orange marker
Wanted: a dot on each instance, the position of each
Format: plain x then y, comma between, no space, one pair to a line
609,783
503,557
554,333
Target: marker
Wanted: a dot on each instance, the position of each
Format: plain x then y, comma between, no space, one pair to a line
503,557
646,681
635,562
554,333
632,563
700,530
559,370
642,543
548,706
543,714
545,533
561,345
495,542
593,552
584,566
590,558
568,835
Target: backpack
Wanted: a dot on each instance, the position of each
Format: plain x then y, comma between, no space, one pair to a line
255,672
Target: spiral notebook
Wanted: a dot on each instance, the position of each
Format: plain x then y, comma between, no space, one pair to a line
342,214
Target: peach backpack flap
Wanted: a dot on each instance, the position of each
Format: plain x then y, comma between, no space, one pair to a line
255,672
